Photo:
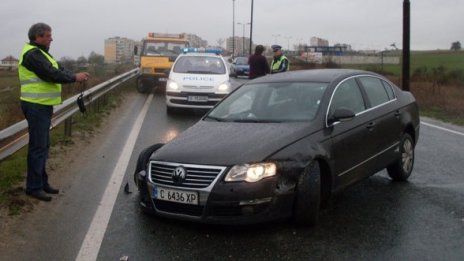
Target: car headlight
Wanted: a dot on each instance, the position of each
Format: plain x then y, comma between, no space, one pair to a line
224,87
251,172
172,85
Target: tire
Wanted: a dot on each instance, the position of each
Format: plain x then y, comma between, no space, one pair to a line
308,196
143,86
402,168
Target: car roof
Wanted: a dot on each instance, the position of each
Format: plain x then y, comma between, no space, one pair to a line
316,75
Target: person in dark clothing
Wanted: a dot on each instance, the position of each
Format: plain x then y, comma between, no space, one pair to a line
41,76
258,63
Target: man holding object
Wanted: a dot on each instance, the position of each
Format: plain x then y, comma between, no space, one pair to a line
41,77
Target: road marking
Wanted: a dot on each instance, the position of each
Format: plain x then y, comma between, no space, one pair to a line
441,128
94,237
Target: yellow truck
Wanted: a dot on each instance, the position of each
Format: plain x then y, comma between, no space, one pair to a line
156,55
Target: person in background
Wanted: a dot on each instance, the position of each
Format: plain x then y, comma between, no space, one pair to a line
258,63
280,62
41,77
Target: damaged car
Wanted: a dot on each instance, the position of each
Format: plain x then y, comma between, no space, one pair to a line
279,146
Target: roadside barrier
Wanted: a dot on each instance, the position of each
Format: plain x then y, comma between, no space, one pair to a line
15,137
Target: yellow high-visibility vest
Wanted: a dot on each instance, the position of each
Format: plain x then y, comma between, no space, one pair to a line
34,89
275,65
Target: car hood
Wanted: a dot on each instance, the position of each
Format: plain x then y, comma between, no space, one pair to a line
229,143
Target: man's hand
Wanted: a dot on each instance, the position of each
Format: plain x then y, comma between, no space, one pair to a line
82,76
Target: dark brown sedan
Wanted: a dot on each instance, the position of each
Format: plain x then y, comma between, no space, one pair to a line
279,146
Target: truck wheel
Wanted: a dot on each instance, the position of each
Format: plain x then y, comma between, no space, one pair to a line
143,86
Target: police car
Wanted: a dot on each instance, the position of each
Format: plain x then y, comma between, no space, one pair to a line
199,78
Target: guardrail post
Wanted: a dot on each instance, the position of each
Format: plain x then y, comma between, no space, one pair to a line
68,127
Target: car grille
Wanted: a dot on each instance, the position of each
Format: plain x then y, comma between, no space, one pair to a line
198,176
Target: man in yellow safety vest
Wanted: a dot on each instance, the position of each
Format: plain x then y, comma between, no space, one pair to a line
279,62
41,77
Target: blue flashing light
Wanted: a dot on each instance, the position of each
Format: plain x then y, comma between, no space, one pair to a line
190,50
202,50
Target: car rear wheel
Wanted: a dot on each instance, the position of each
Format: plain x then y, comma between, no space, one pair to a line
402,168
308,196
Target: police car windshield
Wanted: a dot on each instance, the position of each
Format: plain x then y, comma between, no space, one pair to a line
200,65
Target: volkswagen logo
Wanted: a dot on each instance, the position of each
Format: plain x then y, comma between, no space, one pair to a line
179,174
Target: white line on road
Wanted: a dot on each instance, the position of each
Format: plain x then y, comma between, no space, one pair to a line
94,237
441,128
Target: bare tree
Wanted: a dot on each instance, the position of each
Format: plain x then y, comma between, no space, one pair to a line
456,46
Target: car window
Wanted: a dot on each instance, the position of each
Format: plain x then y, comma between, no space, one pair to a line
375,90
241,61
348,96
200,65
389,89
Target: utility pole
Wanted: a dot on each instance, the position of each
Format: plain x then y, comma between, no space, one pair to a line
233,28
406,44
251,28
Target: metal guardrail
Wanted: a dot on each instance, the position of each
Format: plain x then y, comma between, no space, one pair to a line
16,136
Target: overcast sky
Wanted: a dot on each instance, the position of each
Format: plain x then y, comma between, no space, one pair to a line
80,27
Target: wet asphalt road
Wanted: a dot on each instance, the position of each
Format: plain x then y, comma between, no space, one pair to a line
422,219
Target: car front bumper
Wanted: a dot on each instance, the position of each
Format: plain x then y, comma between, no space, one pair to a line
229,203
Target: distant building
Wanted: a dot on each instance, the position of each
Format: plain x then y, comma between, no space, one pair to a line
316,41
9,63
196,41
119,50
241,45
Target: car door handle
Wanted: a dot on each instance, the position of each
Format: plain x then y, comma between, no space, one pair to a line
370,125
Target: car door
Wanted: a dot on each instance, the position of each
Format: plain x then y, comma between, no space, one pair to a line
352,140
386,129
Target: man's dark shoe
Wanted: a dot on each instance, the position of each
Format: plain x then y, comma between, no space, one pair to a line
39,194
51,190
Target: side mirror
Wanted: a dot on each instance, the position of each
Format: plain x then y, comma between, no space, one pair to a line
341,114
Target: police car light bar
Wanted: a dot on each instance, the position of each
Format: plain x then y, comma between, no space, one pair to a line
202,50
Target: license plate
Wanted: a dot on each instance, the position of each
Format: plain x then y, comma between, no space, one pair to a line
197,98
163,79
174,195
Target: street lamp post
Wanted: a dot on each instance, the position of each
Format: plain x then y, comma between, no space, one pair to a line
275,37
288,42
243,38
233,28
251,27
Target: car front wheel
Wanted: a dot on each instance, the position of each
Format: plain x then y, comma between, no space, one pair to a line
308,196
402,168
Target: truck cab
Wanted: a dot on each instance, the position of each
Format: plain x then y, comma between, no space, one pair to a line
156,56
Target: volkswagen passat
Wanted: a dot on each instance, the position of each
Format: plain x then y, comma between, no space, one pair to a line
279,146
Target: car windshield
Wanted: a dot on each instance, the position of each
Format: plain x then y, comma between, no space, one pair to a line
200,65
241,61
271,102
163,48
